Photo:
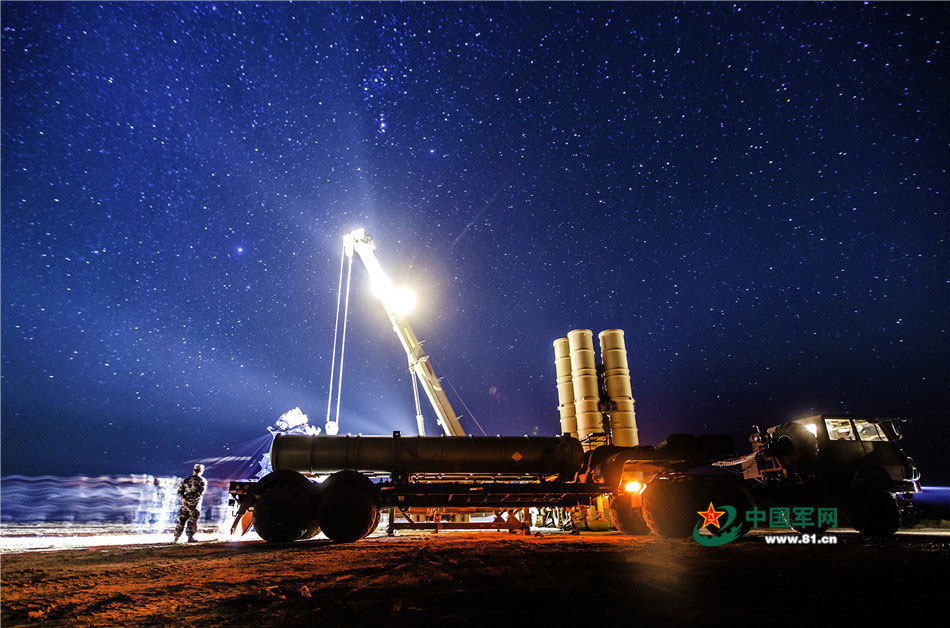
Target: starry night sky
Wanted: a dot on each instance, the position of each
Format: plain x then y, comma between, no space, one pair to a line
755,193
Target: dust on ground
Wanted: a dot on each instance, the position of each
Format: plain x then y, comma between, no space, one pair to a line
468,578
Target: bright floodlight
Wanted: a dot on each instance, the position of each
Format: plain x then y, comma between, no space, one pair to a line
402,300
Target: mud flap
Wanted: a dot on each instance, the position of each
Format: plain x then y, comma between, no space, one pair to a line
244,517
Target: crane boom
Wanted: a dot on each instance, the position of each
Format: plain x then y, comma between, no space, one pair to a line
359,242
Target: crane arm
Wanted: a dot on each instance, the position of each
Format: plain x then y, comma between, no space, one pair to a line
394,302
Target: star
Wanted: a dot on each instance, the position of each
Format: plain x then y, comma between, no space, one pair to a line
82,285
711,516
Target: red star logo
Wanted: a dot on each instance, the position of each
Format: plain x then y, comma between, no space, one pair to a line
711,516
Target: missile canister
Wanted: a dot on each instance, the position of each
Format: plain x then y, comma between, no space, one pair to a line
565,387
584,379
516,455
613,354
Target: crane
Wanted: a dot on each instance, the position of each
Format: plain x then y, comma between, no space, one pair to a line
397,302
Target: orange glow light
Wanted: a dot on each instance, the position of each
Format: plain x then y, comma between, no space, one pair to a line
633,487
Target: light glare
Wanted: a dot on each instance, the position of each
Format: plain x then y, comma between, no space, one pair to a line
402,300
633,487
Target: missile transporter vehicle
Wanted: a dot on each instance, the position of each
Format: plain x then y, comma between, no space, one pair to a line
340,484
595,464
851,463
366,474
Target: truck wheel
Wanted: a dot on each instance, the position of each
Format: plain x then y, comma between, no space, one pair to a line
349,505
669,507
375,525
626,518
874,511
725,491
286,509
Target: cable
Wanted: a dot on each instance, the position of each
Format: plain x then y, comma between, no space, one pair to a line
336,327
465,406
346,313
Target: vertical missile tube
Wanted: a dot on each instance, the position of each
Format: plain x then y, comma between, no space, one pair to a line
584,380
613,355
565,387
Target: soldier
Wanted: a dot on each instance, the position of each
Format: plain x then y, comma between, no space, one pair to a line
190,491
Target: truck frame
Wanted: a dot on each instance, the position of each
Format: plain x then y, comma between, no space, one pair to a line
365,475
870,479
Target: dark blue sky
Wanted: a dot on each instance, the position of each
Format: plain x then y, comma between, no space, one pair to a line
754,192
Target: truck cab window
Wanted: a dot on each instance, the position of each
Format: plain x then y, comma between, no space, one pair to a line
868,431
839,429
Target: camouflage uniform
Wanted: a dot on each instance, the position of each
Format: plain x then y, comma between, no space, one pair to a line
190,491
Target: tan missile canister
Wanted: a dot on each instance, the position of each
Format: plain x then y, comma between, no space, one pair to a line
613,354
584,378
565,387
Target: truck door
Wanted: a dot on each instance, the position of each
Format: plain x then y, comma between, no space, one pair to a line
844,448
877,450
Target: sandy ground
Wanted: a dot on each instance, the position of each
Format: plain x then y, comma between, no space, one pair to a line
467,578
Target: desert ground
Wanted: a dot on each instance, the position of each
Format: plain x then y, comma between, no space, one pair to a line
472,578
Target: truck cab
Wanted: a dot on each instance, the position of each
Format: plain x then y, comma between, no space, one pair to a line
841,448
848,460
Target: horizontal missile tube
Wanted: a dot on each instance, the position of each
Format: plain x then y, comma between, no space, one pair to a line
517,455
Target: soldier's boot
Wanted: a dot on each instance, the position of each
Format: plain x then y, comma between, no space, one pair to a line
192,539
177,537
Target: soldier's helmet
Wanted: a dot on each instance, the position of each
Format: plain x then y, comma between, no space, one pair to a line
199,469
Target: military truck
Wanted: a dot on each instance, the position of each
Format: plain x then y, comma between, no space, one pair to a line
852,464
597,463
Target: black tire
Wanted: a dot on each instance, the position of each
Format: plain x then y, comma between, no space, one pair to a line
349,506
626,518
375,525
874,511
669,507
286,509
725,491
